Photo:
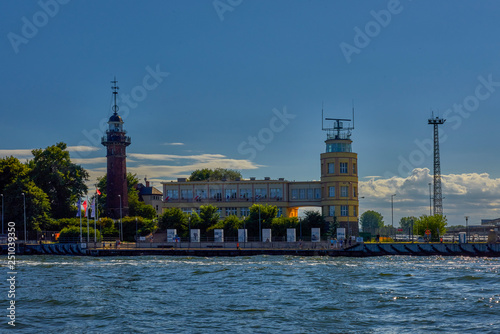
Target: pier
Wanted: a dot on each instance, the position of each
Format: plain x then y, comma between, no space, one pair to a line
210,249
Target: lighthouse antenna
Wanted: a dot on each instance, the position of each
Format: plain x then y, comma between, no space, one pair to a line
115,93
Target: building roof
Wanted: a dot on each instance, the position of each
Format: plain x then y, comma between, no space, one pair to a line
115,118
143,190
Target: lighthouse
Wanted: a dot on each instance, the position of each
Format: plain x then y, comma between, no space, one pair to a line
116,142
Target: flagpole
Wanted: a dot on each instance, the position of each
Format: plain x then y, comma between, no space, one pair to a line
88,228
95,221
80,214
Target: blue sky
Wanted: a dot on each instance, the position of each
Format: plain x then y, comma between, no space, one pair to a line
204,76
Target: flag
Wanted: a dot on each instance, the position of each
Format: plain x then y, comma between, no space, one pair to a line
97,191
79,206
92,215
85,208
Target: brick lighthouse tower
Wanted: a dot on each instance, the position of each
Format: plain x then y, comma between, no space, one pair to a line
116,142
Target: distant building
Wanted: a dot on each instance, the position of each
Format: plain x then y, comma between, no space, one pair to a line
150,195
336,193
490,221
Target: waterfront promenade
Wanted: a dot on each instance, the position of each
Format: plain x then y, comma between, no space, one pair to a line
209,249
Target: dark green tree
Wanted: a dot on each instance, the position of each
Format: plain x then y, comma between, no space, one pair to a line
208,217
266,213
216,174
312,219
174,218
139,225
279,226
406,222
62,180
332,228
37,206
371,221
230,225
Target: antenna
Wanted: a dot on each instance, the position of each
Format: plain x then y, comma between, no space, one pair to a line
115,92
438,195
353,114
322,126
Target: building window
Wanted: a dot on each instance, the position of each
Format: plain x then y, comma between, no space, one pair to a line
354,211
187,210
275,193
230,194
343,210
331,211
344,191
200,194
343,167
172,194
230,211
317,193
354,170
260,194
245,193
310,193
295,194
280,212
302,193
186,194
216,194
353,191
331,191
331,168
245,212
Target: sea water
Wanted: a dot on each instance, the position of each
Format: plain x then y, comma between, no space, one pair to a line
259,294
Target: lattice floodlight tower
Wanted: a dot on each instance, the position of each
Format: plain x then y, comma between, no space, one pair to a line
438,195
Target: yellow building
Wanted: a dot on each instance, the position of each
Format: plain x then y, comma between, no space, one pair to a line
336,193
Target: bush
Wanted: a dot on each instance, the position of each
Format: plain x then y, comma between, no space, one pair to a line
72,234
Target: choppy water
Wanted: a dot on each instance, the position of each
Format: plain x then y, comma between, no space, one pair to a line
263,294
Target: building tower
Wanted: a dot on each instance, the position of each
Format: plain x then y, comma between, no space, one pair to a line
116,142
438,196
339,177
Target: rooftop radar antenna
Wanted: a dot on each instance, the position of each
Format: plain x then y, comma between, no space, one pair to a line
338,130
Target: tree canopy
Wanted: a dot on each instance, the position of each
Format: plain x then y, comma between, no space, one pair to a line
216,174
436,224
371,220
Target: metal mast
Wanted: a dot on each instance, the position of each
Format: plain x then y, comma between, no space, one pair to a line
438,195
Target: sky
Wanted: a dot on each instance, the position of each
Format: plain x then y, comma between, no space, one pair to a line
241,84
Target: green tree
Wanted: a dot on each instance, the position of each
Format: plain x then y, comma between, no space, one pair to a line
332,228
371,221
230,225
216,174
208,217
406,222
174,218
62,180
279,225
11,169
142,226
37,206
312,219
266,213
436,224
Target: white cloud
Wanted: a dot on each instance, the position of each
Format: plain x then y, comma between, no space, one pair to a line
473,194
173,144
22,153
82,148
171,157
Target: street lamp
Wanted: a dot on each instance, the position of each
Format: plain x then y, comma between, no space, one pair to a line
260,230
2,212
467,227
24,203
392,212
430,200
121,223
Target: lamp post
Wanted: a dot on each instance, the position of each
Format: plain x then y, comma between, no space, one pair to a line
430,200
121,223
467,227
24,204
2,212
136,237
260,230
392,212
